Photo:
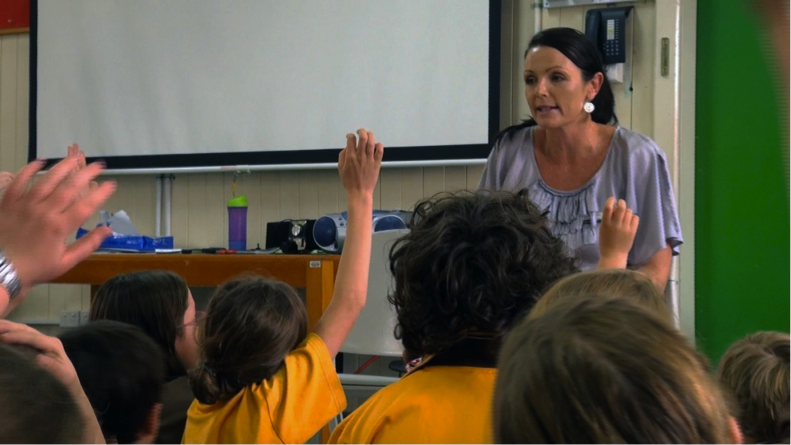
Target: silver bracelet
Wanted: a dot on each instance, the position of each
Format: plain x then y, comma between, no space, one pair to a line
9,278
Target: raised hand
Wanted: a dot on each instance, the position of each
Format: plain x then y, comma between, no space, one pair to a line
74,150
770,6
616,234
37,220
359,163
774,24
5,179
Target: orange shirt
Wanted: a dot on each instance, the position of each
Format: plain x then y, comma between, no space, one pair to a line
292,406
435,404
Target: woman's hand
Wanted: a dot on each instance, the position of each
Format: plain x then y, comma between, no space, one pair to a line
616,234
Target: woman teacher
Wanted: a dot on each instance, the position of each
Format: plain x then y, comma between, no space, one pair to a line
572,156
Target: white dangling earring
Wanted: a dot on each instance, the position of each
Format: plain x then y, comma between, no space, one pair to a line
589,107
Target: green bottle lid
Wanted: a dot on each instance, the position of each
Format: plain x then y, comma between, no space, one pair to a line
239,201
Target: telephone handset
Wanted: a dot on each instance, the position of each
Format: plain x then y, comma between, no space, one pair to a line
607,29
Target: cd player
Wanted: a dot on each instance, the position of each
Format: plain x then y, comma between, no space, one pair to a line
329,231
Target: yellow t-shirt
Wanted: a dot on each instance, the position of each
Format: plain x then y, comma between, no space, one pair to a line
292,406
435,404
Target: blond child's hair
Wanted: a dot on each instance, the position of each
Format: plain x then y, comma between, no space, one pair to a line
612,283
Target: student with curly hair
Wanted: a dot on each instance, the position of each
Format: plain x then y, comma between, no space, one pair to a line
472,265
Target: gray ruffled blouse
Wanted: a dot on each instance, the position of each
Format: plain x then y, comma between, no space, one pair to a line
635,170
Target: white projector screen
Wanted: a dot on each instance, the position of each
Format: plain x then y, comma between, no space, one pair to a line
147,84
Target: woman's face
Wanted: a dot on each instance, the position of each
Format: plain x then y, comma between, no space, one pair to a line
187,342
555,89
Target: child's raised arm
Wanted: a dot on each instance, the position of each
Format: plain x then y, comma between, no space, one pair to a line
616,234
358,165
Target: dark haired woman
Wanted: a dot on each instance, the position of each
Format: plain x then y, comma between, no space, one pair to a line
572,156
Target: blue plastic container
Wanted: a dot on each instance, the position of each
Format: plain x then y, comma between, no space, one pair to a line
132,243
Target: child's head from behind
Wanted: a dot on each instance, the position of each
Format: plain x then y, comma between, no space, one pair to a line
471,262
605,370
158,302
755,371
251,324
122,373
35,407
618,283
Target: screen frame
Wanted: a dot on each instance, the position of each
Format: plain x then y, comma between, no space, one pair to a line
415,155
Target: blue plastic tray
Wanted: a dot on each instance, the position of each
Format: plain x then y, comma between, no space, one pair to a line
132,243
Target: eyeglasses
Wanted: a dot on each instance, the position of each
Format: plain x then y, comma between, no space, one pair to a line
199,316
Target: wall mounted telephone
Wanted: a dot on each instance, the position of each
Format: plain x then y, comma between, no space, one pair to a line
607,29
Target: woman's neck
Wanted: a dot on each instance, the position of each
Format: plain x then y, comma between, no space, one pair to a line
572,143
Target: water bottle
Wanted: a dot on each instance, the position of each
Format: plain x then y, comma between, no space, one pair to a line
237,223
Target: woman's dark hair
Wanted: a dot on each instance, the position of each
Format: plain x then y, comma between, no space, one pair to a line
155,301
605,370
122,373
251,324
473,261
35,407
578,48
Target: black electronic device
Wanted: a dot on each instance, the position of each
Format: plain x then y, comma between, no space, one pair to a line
291,235
606,27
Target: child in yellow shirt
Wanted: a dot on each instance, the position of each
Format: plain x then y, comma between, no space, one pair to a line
261,377
472,264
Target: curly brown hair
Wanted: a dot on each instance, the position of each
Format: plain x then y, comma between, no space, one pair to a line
473,261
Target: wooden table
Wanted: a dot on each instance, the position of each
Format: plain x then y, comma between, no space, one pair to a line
314,273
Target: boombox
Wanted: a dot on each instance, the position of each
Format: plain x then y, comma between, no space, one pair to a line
329,231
